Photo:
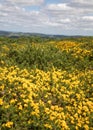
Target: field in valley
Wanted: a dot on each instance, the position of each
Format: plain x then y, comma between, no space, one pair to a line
46,84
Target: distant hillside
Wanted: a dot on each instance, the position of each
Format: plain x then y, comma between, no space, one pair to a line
4,33
18,34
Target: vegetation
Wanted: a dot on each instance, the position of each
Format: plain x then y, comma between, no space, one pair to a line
46,84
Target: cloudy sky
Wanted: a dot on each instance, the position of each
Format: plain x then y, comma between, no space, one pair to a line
69,17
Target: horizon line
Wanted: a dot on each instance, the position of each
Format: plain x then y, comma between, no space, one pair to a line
25,32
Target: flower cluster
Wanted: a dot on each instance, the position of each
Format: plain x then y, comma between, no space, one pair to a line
47,100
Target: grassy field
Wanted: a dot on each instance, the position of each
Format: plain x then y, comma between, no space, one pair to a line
46,84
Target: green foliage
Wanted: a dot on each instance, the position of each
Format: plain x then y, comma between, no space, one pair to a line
43,55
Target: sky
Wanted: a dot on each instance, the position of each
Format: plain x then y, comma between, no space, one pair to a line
64,17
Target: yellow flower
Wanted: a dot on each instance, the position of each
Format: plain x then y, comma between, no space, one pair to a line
47,111
79,124
85,108
6,106
48,126
64,125
77,128
2,62
20,107
25,105
49,102
52,107
52,117
1,102
35,113
9,124
13,101
86,127
2,87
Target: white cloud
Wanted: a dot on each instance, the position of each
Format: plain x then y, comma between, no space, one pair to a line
3,14
84,4
27,2
88,18
83,1
72,16
59,6
67,20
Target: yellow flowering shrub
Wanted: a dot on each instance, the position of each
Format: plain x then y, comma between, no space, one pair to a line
46,100
46,86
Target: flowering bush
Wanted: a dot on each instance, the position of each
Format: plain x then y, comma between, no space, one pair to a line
36,99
